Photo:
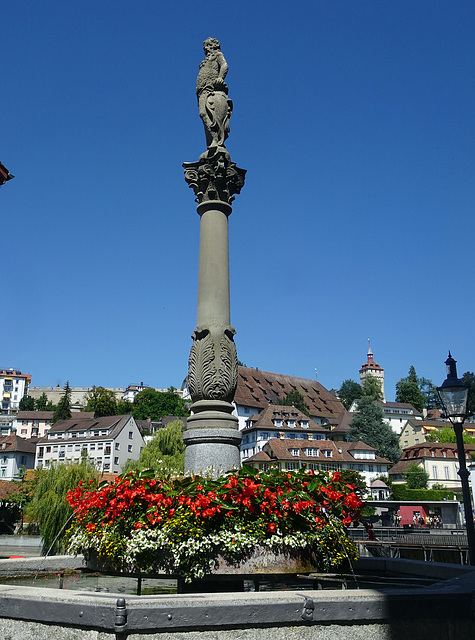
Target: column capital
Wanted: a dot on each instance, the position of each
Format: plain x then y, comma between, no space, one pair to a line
214,178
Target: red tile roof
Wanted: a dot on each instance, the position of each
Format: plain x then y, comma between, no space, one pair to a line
258,389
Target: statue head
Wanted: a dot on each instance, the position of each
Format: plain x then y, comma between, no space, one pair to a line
210,45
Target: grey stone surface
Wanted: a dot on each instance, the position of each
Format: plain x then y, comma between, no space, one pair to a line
30,565
214,106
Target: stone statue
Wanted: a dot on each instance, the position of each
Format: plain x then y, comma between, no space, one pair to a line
212,92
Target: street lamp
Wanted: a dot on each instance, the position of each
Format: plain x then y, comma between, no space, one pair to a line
453,395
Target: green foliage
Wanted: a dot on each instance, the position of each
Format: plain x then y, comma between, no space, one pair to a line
295,399
468,378
447,435
369,426
165,453
371,388
102,401
349,392
48,505
350,476
42,402
401,492
26,404
155,404
63,409
416,477
124,407
420,392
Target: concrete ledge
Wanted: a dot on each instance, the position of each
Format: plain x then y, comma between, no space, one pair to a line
16,567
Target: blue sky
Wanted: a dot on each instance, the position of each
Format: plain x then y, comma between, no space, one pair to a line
355,122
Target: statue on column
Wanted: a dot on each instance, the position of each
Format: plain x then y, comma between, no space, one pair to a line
212,92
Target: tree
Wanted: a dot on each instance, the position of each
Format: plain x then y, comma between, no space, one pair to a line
349,392
468,378
63,409
371,388
369,426
165,453
124,407
42,402
415,477
26,404
447,435
155,404
295,399
420,392
48,505
102,401
350,476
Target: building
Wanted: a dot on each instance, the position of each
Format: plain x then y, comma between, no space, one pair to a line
371,368
416,431
79,394
278,421
396,414
439,461
13,386
32,424
16,455
108,442
257,389
340,427
320,455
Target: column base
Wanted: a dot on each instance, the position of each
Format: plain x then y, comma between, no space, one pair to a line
212,450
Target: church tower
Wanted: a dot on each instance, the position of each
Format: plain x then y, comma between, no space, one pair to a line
371,368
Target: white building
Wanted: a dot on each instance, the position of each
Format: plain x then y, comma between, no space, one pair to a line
13,386
108,442
16,455
32,424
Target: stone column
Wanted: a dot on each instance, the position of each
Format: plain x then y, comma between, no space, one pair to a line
211,435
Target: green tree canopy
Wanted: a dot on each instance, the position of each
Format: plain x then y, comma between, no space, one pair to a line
350,476
369,426
415,477
371,388
63,409
349,392
420,392
447,435
42,402
48,506
165,453
124,407
295,399
102,401
155,404
26,404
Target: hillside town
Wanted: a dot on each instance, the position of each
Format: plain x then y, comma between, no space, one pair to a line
286,422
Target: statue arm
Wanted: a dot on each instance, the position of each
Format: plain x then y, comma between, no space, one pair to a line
223,68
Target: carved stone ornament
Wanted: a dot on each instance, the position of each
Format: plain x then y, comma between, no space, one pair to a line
215,178
214,106
213,365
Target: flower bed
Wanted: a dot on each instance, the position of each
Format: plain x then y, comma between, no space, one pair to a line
183,525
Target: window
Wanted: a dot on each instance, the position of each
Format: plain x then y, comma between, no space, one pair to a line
23,431
434,472
312,453
304,424
48,449
291,466
77,447
129,448
277,423
55,448
370,467
116,460
117,446
447,473
131,435
92,446
328,453
291,423
295,452
40,452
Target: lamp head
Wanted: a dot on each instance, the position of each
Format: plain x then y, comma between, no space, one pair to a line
453,392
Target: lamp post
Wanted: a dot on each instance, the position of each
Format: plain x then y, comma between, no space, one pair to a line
453,395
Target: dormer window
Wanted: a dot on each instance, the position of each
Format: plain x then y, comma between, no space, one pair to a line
312,453
328,453
291,423
304,424
277,423
295,452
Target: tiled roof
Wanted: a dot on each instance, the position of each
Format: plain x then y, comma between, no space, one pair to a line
35,415
340,451
256,388
15,443
342,424
113,424
264,420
